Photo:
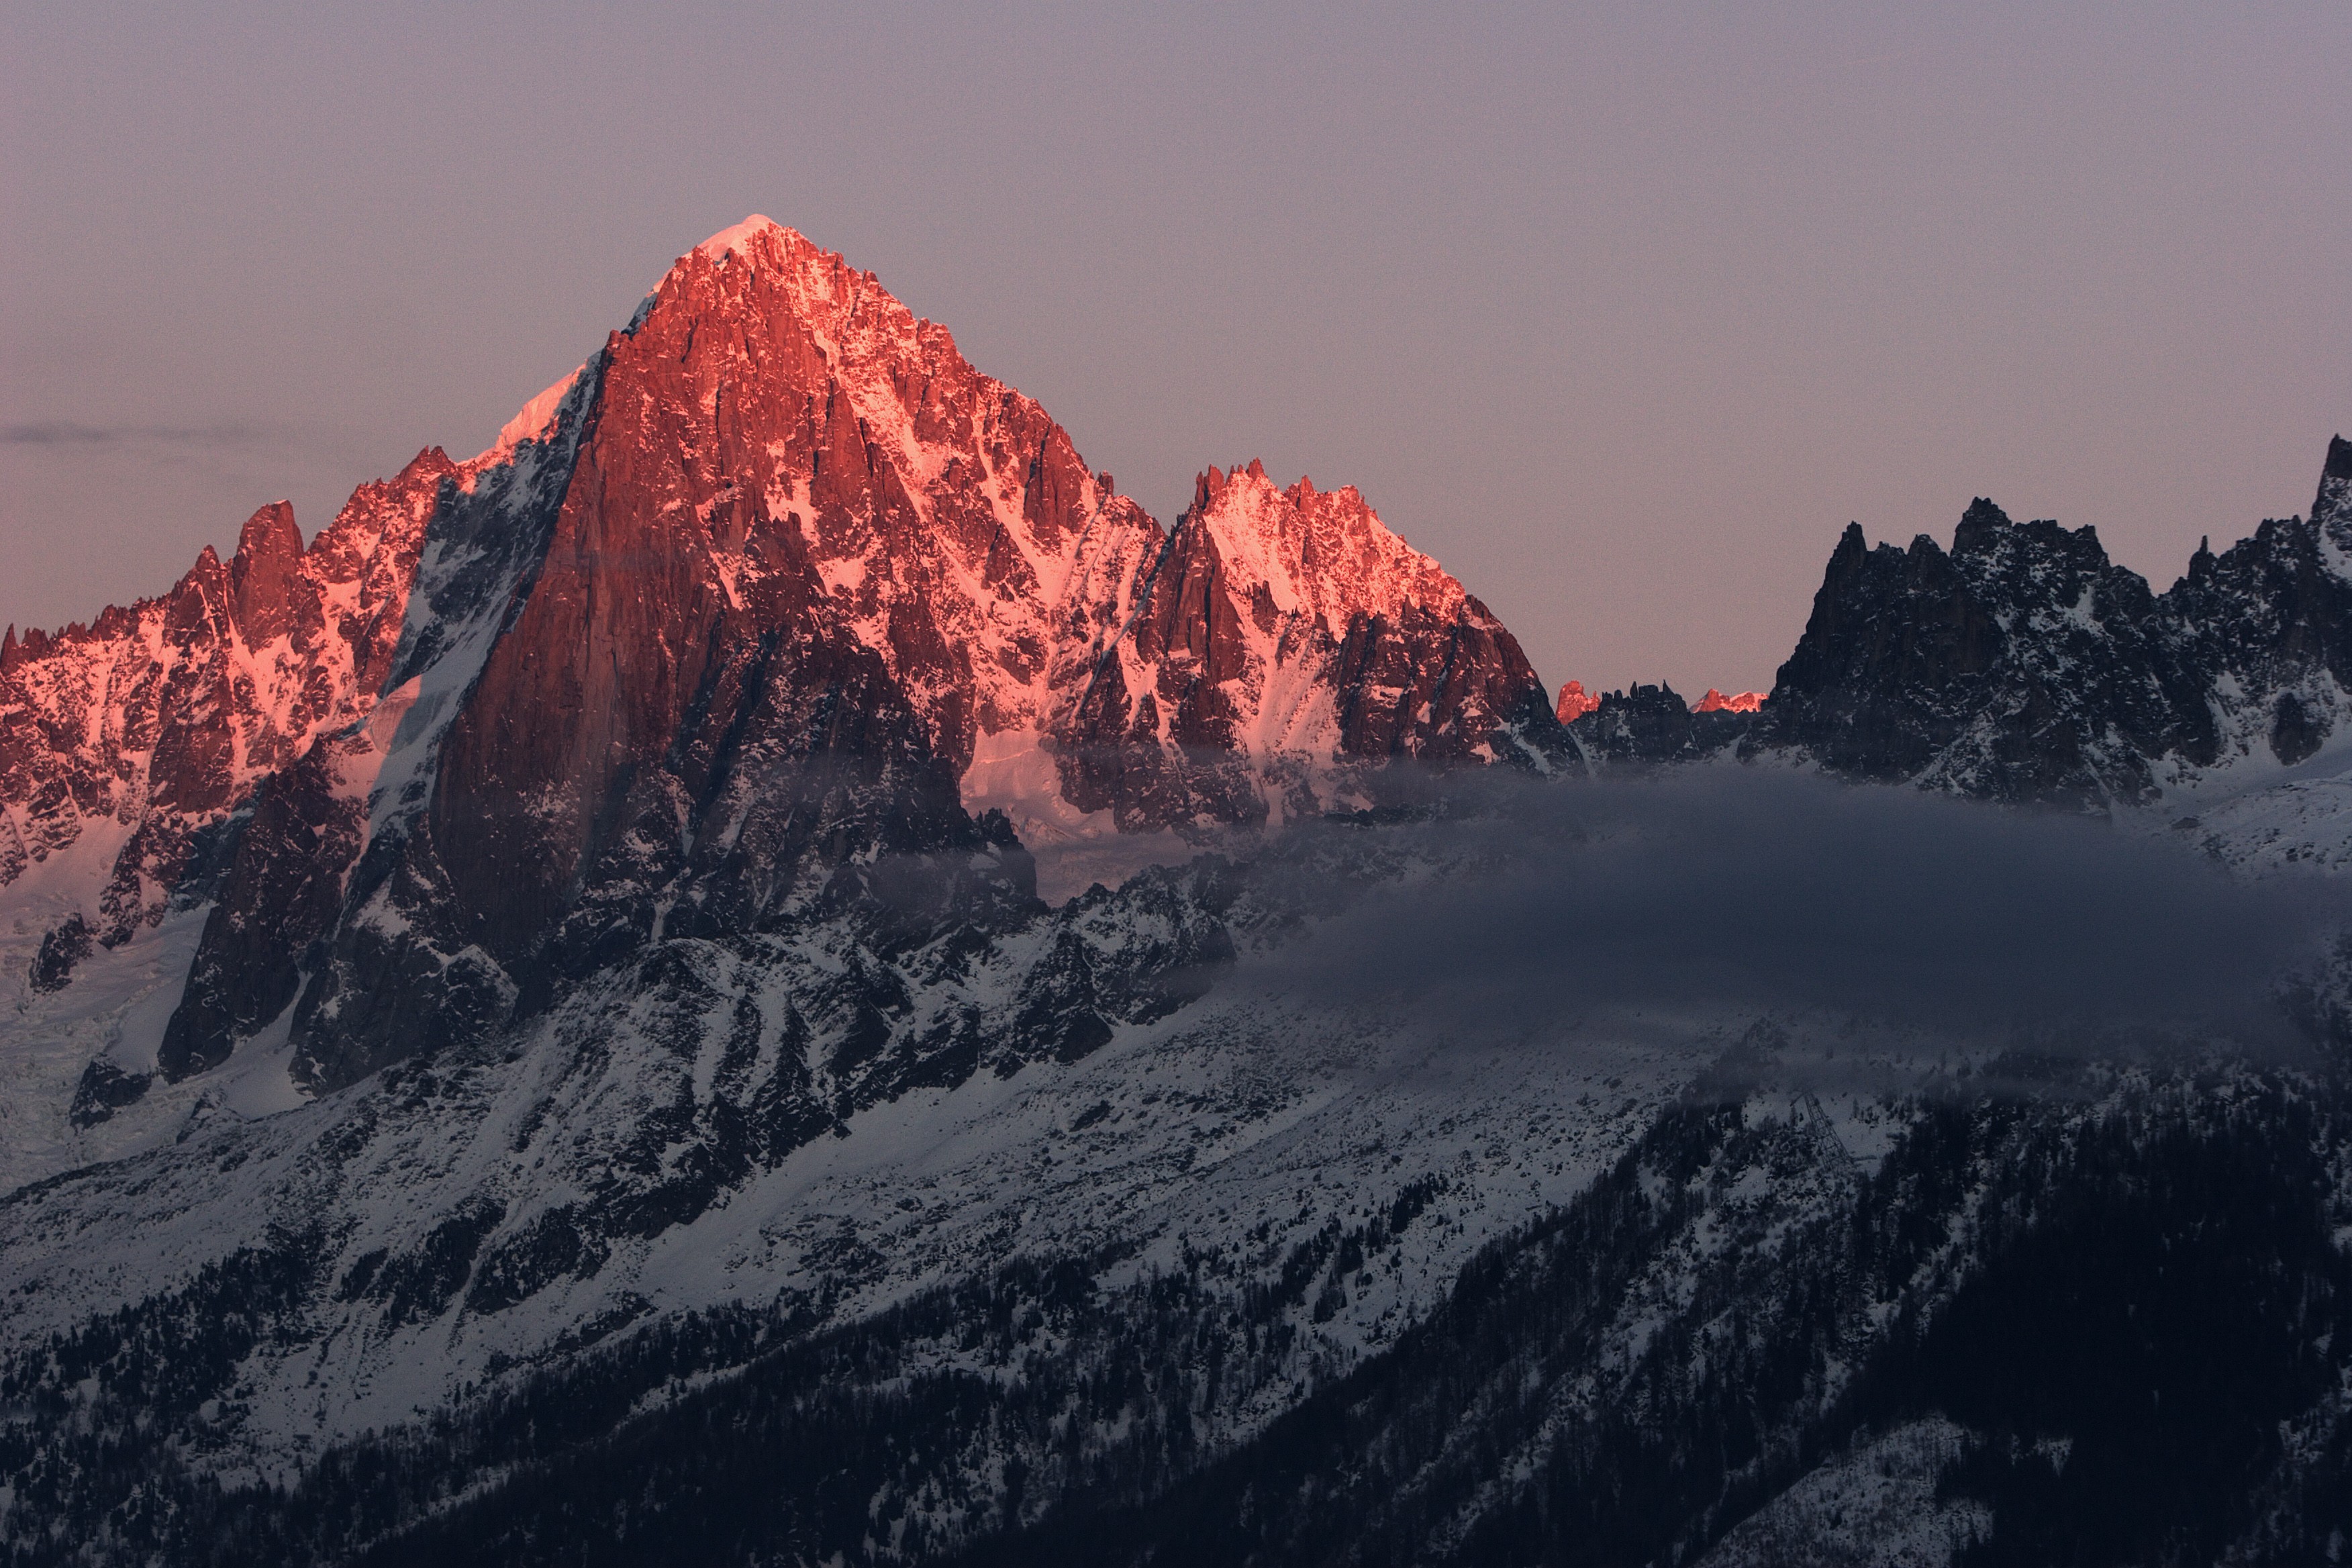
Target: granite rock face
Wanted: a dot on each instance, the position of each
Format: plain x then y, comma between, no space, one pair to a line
2023,665
120,741
1281,641
776,612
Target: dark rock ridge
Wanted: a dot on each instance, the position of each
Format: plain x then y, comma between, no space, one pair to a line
1650,724
2022,665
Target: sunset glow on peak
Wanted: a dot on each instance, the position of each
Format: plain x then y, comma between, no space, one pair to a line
739,237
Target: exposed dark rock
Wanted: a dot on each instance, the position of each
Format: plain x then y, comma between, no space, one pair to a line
66,946
104,1090
2024,666
283,892
1650,724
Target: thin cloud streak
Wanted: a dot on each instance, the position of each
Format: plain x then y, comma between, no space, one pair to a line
69,433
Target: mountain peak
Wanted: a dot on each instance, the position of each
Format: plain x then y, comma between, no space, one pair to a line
1325,552
1980,525
739,237
271,530
2332,506
776,494
530,423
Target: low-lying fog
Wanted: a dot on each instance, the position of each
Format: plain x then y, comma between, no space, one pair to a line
1744,891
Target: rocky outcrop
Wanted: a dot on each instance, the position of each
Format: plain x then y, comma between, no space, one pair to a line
282,892
2023,665
1650,724
1284,640
121,740
65,945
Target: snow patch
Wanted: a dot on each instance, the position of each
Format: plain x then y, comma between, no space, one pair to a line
739,237
532,423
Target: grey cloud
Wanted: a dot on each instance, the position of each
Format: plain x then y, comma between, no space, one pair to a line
1746,891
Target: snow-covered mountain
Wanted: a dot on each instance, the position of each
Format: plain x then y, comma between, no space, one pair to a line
1282,632
776,582
769,971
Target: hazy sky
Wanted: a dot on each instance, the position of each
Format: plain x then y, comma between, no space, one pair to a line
1623,315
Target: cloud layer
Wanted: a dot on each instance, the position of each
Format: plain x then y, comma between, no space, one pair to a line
1752,892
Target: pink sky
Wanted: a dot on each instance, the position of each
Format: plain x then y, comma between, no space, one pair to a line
1621,316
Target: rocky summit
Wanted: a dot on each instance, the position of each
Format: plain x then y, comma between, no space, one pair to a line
769,971
2022,665
775,583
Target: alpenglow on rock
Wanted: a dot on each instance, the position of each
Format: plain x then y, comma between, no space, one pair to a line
122,741
578,1066
776,584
